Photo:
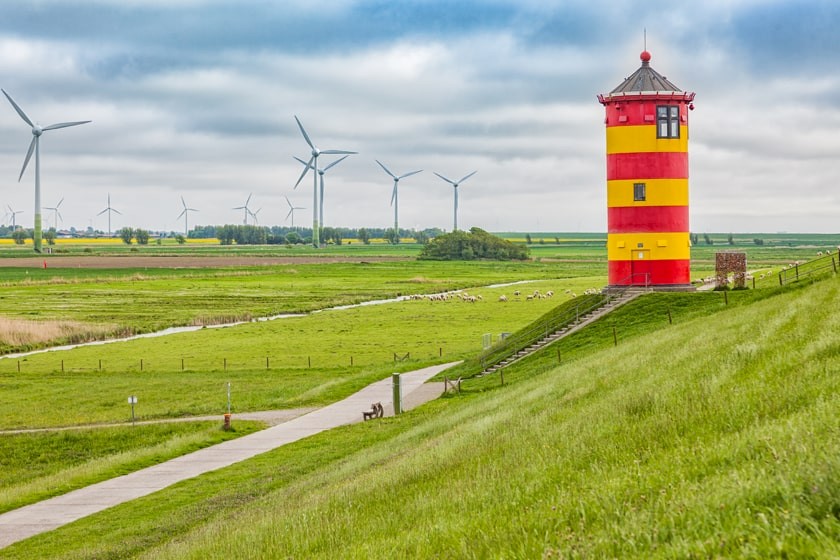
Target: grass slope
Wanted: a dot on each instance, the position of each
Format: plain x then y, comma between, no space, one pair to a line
715,437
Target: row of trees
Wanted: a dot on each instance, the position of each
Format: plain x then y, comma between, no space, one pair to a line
334,235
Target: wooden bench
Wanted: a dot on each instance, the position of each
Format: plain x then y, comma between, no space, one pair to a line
376,411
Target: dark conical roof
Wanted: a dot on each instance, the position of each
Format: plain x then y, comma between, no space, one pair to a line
645,79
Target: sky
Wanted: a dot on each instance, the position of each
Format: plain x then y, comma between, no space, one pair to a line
197,99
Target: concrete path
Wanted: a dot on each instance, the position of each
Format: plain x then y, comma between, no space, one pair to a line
50,514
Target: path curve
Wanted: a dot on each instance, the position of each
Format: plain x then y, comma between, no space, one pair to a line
25,522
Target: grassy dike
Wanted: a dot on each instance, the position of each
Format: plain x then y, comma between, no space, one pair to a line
717,436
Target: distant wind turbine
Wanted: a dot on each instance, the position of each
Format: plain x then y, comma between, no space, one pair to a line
109,210
254,215
185,213
321,172
455,184
247,210
12,214
56,213
313,164
292,210
37,131
395,194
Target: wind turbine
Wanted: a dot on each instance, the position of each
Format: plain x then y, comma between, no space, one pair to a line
292,210
185,213
56,213
37,131
455,184
321,173
247,210
313,164
395,194
254,215
109,210
12,214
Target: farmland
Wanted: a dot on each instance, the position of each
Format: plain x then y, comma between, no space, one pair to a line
500,452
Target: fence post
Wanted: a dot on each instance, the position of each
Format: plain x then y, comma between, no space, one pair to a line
559,361
780,280
351,361
726,297
100,365
182,364
18,366
62,366
225,362
670,320
797,272
615,337
502,375
309,361
266,362
833,263
141,364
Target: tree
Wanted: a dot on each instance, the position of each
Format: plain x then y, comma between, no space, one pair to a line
126,234
363,236
528,238
758,241
293,238
708,239
392,236
49,236
421,237
730,239
180,239
475,244
19,235
142,236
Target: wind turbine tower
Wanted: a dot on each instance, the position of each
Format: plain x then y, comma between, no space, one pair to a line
455,184
395,195
292,210
109,209
247,210
34,146
12,214
185,213
56,213
321,172
313,164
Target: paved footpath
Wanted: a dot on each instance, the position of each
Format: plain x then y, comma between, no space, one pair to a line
50,514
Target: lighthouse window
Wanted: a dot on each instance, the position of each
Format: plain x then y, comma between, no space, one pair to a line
639,192
667,121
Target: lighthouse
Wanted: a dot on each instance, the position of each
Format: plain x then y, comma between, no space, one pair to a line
648,242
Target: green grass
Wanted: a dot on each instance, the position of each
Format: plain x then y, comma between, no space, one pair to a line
140,301
369,336
37,466
717,436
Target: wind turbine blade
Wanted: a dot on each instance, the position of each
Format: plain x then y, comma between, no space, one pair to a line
291,211
468,176
103,211
410,174
28,155
382,165
305,171
444,178
18,109
64,125
238,208
337,152
184,211
287,200
303,162
115,210
248,199
336,162
60,217
394,193
183,203
305,135
59,203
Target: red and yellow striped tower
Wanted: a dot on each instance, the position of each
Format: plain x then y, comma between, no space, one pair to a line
647,180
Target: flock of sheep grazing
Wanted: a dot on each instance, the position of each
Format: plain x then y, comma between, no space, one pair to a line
517,296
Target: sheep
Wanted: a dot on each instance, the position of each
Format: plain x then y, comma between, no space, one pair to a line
503,297
549,293
529,297
516,292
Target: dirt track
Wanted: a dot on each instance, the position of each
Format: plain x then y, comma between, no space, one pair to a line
131,261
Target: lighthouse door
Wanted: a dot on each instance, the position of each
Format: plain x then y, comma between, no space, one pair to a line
641,267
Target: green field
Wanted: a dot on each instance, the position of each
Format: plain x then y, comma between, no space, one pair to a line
727,448
594,447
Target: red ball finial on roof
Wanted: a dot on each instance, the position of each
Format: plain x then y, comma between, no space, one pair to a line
645,56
